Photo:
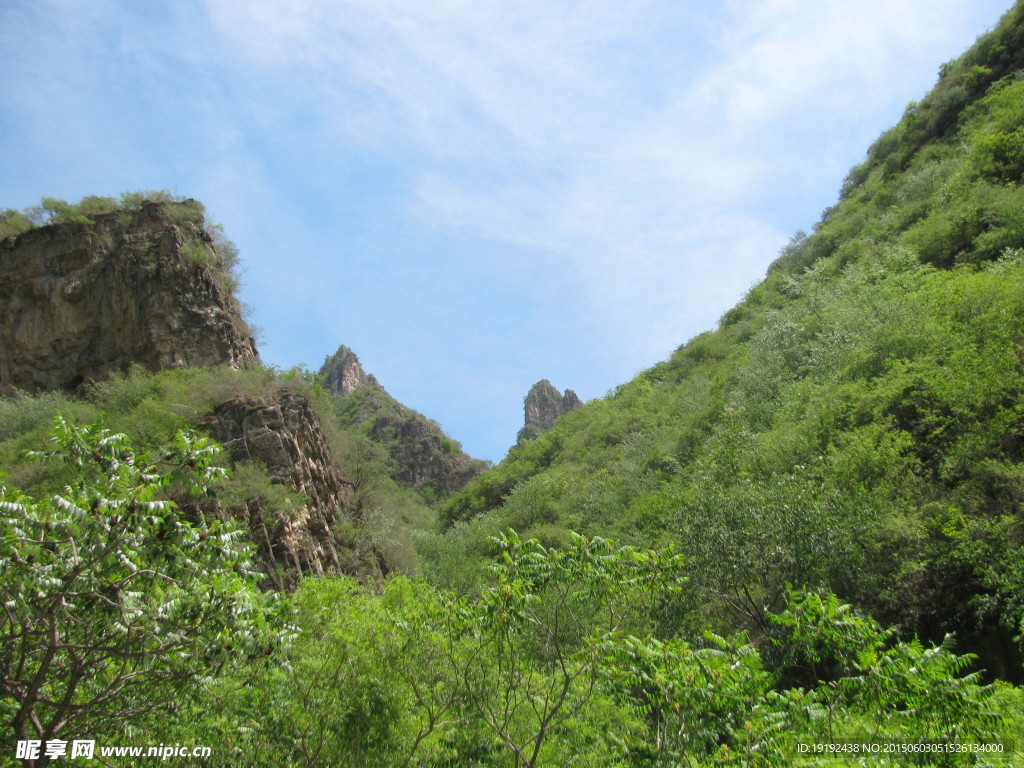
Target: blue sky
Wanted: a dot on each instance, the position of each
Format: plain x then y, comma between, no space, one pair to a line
473,194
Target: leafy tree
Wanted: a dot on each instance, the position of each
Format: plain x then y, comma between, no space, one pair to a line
703,702
873,688
364,684
529,653
113,603
827,673
13,223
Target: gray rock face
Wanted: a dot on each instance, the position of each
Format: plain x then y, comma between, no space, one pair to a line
543,406
80,300
283,434
422,456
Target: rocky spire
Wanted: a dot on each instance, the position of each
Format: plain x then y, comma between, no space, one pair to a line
343,373
543,406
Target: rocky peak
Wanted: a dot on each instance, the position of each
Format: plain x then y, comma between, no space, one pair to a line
343,374
543,406
83,298
422,456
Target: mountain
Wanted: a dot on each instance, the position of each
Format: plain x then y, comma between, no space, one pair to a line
856,421
817,505
281,434
420,455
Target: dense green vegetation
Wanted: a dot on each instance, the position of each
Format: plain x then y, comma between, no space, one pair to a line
125,621
112,600
817,507
151,407
855,422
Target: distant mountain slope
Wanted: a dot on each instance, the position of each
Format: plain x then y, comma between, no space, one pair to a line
857,421
419,454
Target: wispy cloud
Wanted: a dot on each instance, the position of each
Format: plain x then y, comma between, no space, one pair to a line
532,122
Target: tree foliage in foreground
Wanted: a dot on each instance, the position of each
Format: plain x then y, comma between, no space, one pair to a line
556,663
124,621
114,604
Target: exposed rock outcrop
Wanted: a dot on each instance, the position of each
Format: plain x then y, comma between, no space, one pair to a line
80,300
422,456
343,374
283,434
543,406
148,286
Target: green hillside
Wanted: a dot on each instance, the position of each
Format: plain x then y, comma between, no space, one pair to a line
857,420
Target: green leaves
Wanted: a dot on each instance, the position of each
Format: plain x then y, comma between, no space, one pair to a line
828,673
114,603
871,687
700,702
530,650
553,664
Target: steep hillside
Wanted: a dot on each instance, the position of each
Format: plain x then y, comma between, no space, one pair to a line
419,454
856,422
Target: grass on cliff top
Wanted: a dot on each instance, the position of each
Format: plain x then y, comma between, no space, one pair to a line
52,210
211,248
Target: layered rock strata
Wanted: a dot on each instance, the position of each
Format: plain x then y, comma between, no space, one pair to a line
282,434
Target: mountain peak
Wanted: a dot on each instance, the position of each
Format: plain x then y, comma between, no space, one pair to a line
343,373
543,406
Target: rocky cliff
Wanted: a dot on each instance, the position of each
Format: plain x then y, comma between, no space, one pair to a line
281,434
422,456
148,285
543,406
81,299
